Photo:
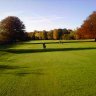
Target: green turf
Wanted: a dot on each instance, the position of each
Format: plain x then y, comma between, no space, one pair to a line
67,69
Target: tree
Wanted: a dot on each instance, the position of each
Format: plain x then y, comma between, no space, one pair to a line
88,28
36,35
60,32
72,35
57,34
50,35
65,31
44,35
12,28
65,34
31,36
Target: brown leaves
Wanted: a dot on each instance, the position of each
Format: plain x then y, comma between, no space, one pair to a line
88,28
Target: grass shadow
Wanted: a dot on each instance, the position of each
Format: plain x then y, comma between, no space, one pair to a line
23,73
8,67
22,51
28,73
7,46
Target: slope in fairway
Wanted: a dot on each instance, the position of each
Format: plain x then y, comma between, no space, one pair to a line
67,69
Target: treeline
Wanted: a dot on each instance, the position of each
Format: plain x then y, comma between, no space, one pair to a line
12,30
56,34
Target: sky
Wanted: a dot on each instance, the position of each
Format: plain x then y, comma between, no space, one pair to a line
48,14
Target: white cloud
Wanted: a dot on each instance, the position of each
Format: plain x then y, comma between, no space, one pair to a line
40,22
34,22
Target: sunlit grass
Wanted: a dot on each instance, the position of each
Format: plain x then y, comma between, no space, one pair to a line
67,69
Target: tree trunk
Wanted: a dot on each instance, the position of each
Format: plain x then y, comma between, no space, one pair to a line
95,39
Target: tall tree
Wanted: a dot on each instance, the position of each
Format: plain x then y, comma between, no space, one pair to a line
57,34
36,35
88,28
50,35
31,35
12,28
44,35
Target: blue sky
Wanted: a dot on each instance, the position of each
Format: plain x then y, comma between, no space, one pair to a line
48,14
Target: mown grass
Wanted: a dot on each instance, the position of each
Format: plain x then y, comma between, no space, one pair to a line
67,69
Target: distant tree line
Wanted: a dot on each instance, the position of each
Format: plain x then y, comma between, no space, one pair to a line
56,34
12,30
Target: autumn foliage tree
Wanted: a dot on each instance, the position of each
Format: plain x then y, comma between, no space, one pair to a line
88,28
57,33
11,29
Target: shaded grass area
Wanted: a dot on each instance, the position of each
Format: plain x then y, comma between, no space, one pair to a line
6,46
21,51
5,67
